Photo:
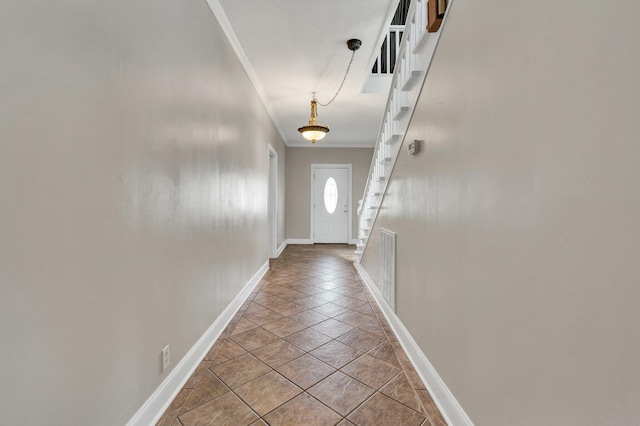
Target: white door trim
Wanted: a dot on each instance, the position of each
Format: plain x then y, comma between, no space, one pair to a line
273,202
314,167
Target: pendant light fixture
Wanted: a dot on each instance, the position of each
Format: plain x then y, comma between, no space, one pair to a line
315,131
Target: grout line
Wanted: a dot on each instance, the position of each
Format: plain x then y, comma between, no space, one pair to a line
400,402
341,281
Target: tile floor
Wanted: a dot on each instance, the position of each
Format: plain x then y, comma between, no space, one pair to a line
310,346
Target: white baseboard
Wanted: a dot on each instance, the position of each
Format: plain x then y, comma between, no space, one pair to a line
444,399
354,241
299,241
308,241
154,407
281,248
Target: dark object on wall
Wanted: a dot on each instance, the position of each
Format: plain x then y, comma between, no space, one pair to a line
435,13
413,148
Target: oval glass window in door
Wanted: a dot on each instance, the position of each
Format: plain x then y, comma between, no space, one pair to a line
330,195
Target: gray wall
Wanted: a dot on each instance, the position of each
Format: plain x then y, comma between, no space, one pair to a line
299,162
133,199
518,235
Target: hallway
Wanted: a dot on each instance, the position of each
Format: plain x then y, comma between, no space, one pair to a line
309,347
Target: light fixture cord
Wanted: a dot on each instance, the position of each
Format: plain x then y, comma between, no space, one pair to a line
353,53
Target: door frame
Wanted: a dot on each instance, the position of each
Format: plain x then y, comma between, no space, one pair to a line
273,202
314,167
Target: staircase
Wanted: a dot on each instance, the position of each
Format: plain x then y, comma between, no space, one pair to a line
415,52
386,61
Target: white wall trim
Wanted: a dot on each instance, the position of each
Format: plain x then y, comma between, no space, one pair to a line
281,248
154,407
449,407
299,241
225,25
354,241
273,202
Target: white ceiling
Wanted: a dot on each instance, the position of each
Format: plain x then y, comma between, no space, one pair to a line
296,47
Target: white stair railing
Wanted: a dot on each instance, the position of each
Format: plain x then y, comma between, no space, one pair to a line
415,52
386,60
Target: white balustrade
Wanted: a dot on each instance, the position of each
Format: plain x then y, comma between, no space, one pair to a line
386,60
414,48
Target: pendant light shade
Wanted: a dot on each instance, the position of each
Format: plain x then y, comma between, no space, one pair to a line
313,131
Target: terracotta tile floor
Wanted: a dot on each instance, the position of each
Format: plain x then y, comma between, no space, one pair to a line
310,346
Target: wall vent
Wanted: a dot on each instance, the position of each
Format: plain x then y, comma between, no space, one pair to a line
388,266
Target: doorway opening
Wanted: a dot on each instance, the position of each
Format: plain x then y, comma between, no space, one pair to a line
331,212
273,202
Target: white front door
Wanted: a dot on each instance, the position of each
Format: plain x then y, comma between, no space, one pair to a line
331,205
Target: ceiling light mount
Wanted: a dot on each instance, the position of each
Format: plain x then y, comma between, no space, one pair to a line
354,44
316,131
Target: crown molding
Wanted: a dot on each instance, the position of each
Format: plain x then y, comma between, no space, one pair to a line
225,25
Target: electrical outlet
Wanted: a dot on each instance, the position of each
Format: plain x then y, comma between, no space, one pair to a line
165,358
